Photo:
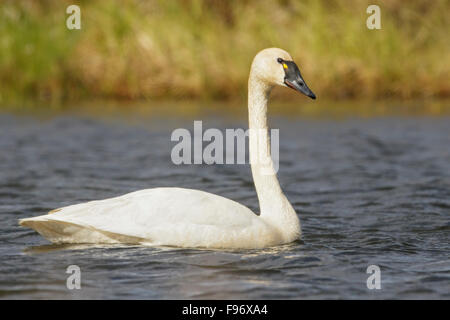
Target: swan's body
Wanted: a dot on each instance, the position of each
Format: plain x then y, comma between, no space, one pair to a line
160,216
192,218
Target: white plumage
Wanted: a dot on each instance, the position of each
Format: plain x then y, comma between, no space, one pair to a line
160,216
185,217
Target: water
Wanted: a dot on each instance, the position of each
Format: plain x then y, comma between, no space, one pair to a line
368,191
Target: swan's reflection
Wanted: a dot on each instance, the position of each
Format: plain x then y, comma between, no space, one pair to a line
118,270
46,248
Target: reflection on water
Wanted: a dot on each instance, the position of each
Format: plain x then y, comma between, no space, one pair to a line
368,191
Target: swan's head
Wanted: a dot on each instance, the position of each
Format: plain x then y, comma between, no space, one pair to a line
275,66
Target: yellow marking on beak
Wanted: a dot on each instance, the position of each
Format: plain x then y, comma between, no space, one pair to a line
285,65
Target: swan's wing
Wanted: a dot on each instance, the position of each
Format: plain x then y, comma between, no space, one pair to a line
170,216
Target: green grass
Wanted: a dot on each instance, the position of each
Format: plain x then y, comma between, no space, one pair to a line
203,49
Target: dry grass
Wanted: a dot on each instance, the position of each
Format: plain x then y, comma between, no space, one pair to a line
202,49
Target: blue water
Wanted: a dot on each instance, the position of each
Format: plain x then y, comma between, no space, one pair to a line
367,191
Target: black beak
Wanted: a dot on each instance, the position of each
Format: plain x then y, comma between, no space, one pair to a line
294,80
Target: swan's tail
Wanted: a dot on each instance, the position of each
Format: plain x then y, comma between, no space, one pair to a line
59,231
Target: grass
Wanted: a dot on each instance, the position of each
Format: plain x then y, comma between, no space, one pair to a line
203,49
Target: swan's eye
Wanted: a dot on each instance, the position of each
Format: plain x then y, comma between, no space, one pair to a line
282,62
301,84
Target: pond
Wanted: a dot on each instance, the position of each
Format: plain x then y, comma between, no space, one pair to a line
368,191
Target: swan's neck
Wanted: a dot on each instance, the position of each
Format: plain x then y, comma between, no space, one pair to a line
274,206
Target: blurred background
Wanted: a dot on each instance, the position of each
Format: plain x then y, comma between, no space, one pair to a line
88,114
202,49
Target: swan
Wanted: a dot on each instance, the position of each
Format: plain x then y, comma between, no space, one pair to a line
193,218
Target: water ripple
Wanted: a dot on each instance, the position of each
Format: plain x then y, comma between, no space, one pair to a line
372,191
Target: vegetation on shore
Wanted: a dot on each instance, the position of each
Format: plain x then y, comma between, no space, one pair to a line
203,49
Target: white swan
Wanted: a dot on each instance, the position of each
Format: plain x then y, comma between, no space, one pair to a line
193,218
